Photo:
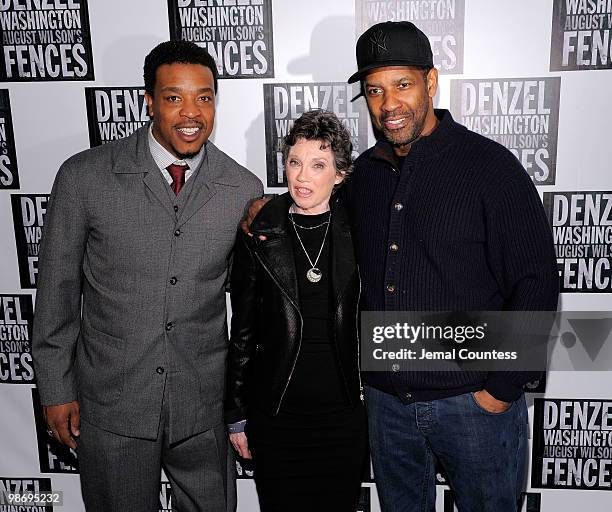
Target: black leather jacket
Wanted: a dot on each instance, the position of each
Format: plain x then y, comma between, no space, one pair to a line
266,321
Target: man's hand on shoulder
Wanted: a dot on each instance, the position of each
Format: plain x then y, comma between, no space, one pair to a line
252,212
489,403
63,422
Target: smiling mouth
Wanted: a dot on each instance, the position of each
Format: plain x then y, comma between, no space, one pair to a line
395,123
189,131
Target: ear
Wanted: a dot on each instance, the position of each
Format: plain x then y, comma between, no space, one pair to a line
432,82
340,175
149,100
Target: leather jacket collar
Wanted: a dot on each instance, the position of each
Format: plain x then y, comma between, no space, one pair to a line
276,252
273,219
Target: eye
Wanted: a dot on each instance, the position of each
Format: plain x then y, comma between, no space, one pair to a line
373,91
405,85
173,99
319,165
205,98
293,162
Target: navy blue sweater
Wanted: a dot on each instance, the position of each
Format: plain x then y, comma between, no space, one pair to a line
459,228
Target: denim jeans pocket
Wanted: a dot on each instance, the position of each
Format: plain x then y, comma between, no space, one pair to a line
484,411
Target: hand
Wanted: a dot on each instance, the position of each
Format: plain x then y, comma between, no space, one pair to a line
64,421
489,403
241,445
254,208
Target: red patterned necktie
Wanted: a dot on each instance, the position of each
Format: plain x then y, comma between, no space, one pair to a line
178,176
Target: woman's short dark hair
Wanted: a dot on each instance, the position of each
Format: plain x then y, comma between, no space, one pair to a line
318,124
176,52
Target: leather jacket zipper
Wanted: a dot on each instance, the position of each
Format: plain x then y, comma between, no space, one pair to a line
301,330
361,397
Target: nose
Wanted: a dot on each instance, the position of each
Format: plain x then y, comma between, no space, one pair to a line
302,175
189,108
390,102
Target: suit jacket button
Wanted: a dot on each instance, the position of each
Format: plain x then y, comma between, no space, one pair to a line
175,208
160,370
177,232
173,280
169,326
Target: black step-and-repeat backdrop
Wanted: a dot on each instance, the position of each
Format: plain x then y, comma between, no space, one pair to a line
71,73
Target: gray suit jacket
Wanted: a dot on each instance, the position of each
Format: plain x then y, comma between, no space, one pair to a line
131,294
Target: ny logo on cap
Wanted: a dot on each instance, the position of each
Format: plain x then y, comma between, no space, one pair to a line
378,42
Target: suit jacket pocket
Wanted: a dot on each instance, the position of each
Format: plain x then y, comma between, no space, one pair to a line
100,362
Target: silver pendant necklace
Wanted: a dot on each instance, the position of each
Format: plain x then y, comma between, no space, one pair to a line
313,274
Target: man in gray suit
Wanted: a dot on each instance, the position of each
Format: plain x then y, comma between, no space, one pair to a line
130,332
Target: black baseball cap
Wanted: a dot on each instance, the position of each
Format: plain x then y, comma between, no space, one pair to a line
391,43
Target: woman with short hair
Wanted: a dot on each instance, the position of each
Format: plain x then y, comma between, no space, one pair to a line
294,392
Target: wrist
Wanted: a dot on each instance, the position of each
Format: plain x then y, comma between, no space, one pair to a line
236,427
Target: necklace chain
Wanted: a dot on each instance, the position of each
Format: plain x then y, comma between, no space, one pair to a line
306,227
314,274
292,212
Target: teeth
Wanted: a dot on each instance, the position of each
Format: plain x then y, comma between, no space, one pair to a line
395,121
188,131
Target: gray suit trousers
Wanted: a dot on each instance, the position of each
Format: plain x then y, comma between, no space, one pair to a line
120,473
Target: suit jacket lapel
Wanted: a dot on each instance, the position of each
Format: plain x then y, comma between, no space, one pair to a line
153,181
203,189
140,161
210,177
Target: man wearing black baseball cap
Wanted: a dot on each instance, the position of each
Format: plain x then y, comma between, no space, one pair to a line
443,220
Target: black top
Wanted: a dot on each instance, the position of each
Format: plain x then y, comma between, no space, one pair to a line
315,385
460,228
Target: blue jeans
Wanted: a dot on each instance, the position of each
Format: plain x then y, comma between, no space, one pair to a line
482,453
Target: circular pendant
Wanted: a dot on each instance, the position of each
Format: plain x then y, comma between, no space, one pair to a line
314,275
